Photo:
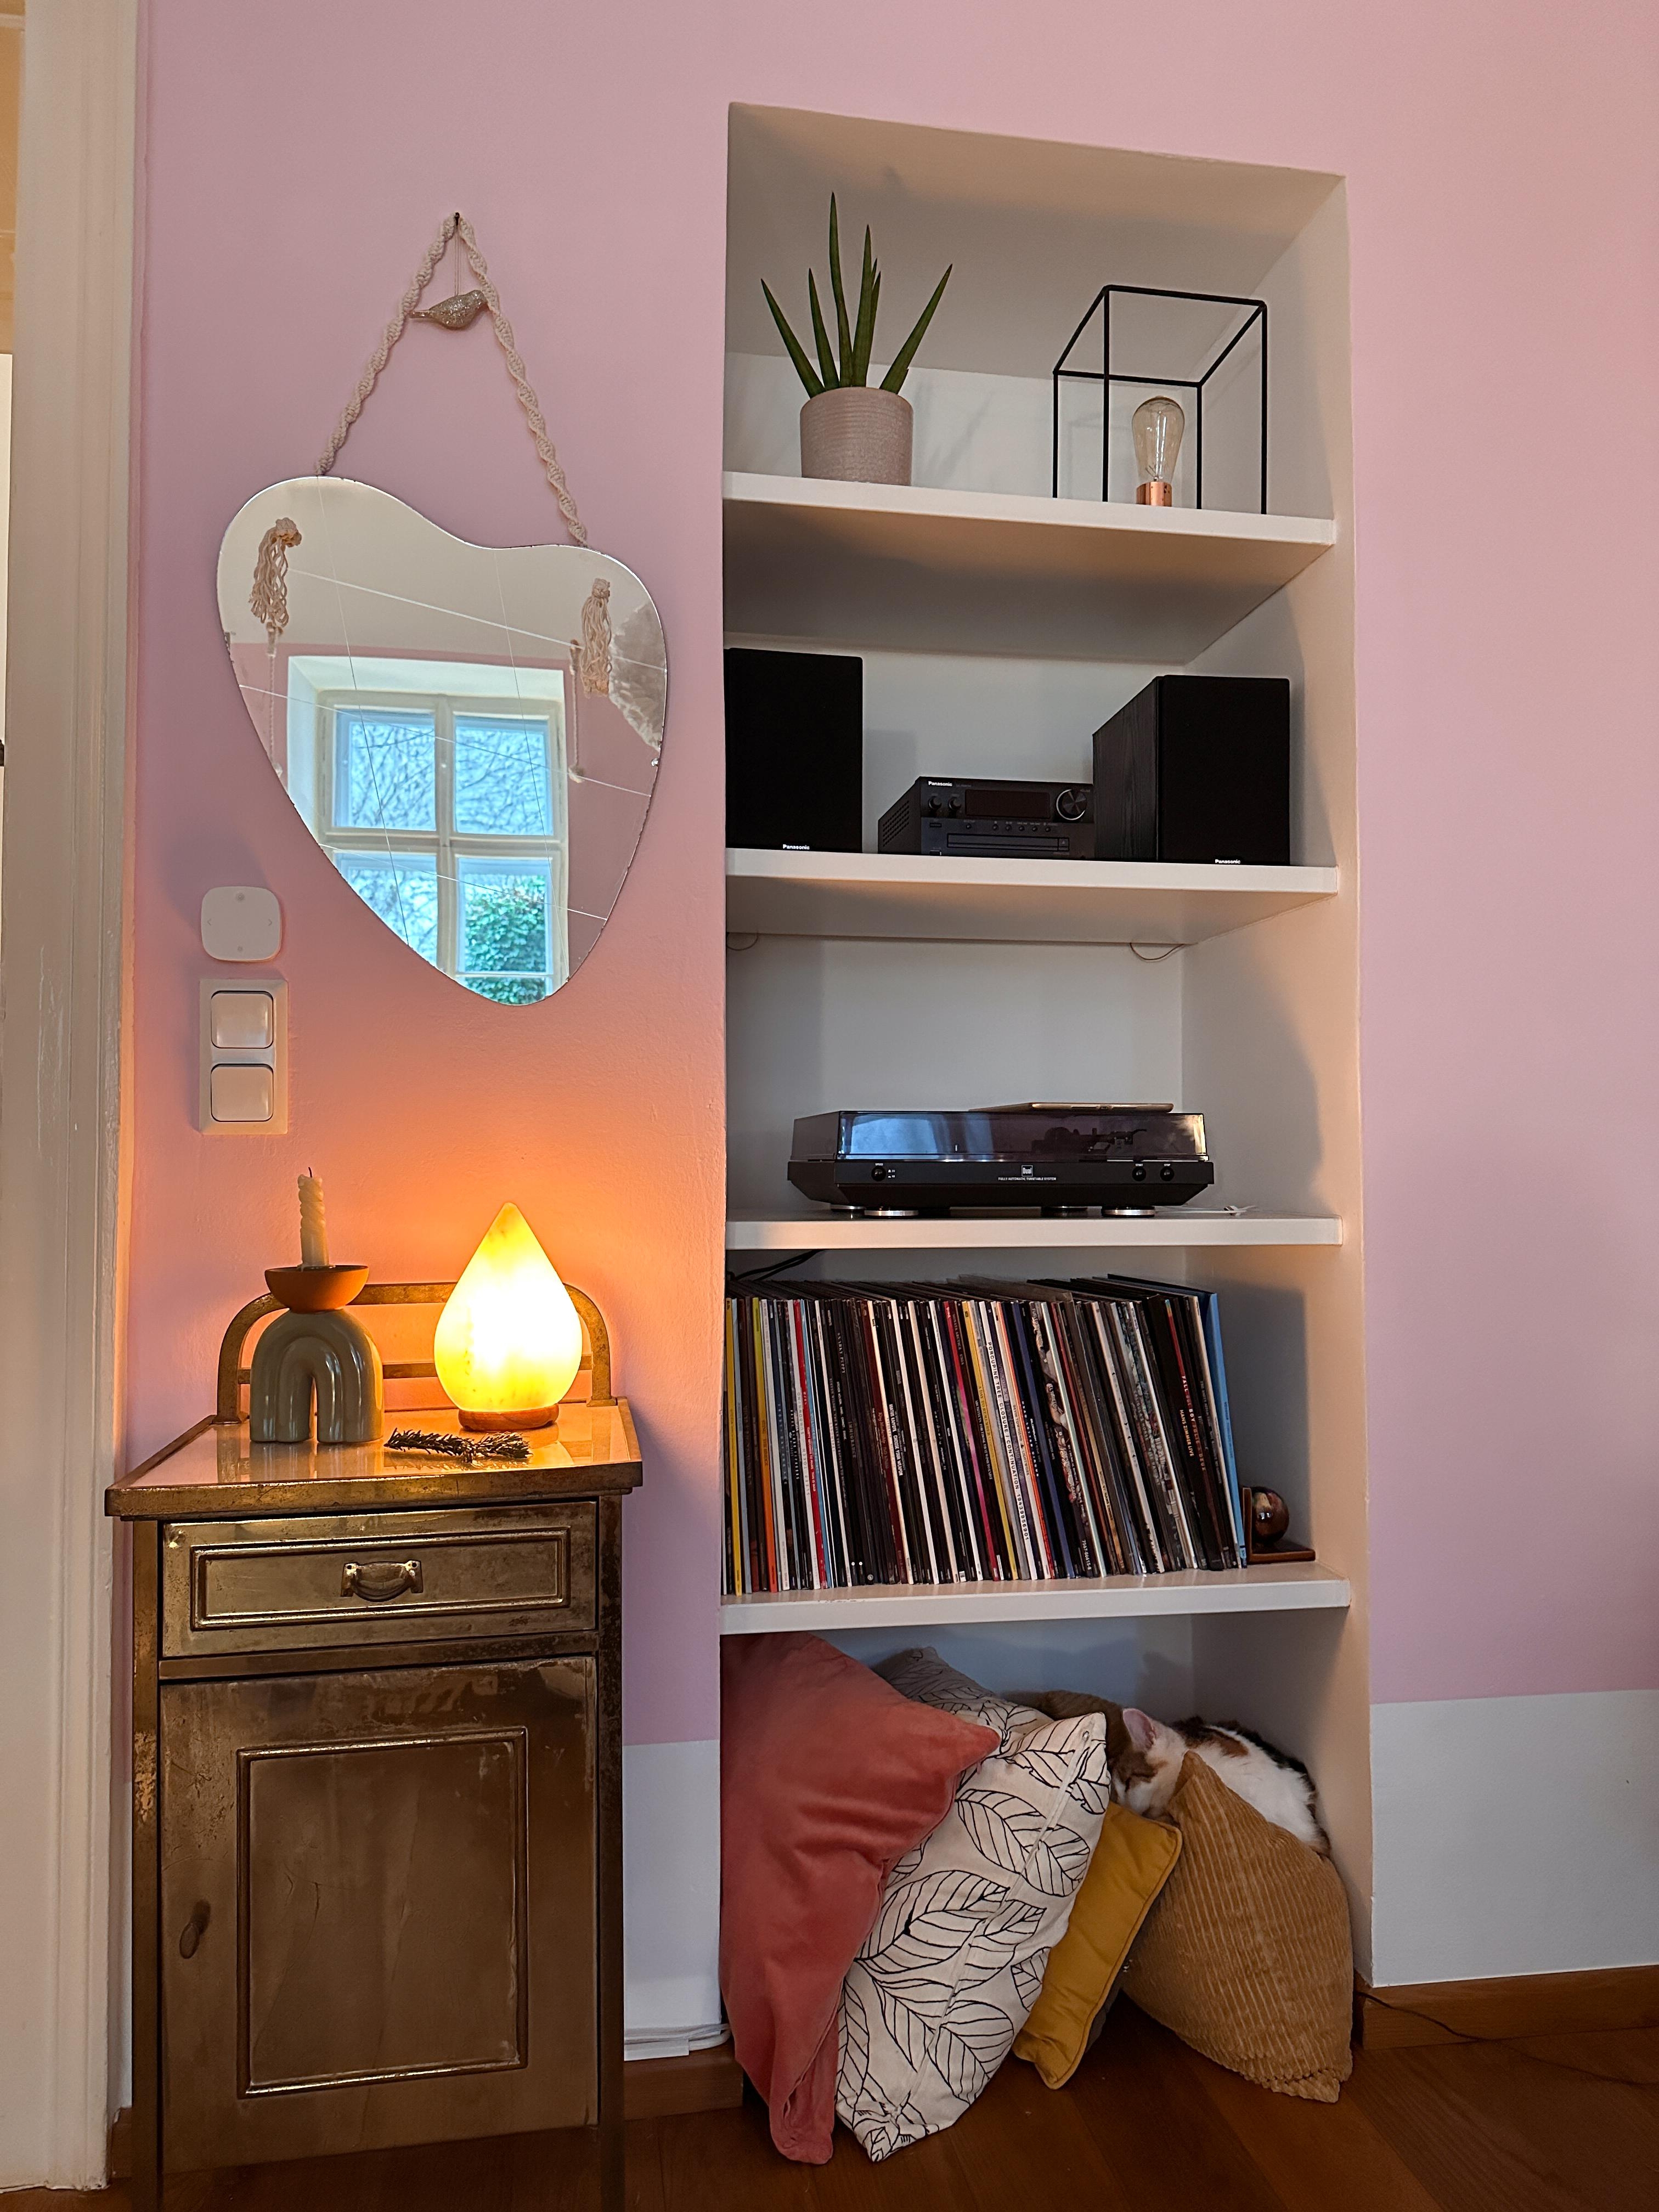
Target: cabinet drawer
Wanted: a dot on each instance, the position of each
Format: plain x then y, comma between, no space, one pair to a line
369,1578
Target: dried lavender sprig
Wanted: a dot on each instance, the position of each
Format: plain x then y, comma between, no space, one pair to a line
469,1450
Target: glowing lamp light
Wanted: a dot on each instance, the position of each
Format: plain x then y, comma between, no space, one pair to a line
509,1341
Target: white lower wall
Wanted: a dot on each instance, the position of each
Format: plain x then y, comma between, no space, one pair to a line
1515,1835
672,1891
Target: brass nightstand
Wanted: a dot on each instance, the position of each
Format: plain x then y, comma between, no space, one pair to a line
377,1786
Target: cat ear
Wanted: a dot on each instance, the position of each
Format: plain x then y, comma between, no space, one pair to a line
1143,1729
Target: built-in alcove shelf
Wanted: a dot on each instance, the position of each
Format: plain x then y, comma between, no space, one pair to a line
998,628
887,895
1296,1587
1178,1231
927,571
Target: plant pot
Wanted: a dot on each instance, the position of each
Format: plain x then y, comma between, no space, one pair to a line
859,434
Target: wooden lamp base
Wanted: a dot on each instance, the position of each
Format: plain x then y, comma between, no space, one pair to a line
529,1416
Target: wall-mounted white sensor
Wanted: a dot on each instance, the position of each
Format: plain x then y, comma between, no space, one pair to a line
241,922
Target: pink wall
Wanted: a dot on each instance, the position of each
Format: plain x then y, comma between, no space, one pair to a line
1502,197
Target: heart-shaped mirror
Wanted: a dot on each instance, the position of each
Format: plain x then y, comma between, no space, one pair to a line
471,732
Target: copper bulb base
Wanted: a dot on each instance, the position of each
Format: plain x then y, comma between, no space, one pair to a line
1156,494
529,1416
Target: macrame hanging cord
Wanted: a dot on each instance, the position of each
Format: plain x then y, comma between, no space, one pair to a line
466,308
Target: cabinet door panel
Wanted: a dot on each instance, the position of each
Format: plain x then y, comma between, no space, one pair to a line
384,1926
378,1909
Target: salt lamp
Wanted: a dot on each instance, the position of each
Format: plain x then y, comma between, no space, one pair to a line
509,1341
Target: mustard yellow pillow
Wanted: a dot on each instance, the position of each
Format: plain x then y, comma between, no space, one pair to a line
1132,1861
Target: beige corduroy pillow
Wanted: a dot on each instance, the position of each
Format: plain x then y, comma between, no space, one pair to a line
1246,1956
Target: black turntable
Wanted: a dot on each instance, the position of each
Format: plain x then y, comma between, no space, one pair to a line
1060,1158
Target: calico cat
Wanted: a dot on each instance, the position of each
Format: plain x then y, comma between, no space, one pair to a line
1145,1757
1066,1705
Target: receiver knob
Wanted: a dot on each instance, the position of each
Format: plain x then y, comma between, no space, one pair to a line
1070,805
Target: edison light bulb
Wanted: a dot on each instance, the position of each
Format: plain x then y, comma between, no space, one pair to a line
509,1341
1157,425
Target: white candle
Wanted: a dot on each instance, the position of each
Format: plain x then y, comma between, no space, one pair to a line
313,1225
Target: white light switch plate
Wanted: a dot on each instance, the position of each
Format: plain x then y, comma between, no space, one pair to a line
241,921
242,1088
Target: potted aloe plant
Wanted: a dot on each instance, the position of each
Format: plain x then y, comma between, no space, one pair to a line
846,429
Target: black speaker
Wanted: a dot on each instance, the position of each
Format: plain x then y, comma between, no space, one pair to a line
1197,768
794,750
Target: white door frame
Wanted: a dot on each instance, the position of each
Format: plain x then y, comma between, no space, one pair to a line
62,987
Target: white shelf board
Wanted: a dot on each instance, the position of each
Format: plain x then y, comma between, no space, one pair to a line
1300,1586
916,569
1180,1230
890,895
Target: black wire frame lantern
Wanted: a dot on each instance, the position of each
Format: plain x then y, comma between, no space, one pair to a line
1106,376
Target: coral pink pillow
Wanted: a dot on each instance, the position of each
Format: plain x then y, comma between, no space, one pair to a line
827,1778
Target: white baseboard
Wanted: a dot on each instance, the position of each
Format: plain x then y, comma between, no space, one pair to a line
672,1891
645,2045
1515,1835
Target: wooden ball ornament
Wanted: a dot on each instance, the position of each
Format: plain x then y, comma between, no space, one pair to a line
1270,1516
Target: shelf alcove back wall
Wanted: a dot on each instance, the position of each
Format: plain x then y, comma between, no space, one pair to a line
1139,1662
818,1022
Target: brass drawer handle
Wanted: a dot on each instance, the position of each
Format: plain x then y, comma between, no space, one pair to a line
379,1583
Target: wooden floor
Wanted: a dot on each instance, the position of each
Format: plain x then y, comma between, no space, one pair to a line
1556,2122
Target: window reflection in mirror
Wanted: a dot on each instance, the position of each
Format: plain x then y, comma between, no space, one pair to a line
465,794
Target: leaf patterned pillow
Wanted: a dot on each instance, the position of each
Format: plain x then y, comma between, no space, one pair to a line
945,1978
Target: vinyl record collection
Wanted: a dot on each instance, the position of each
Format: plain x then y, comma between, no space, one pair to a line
974,1431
